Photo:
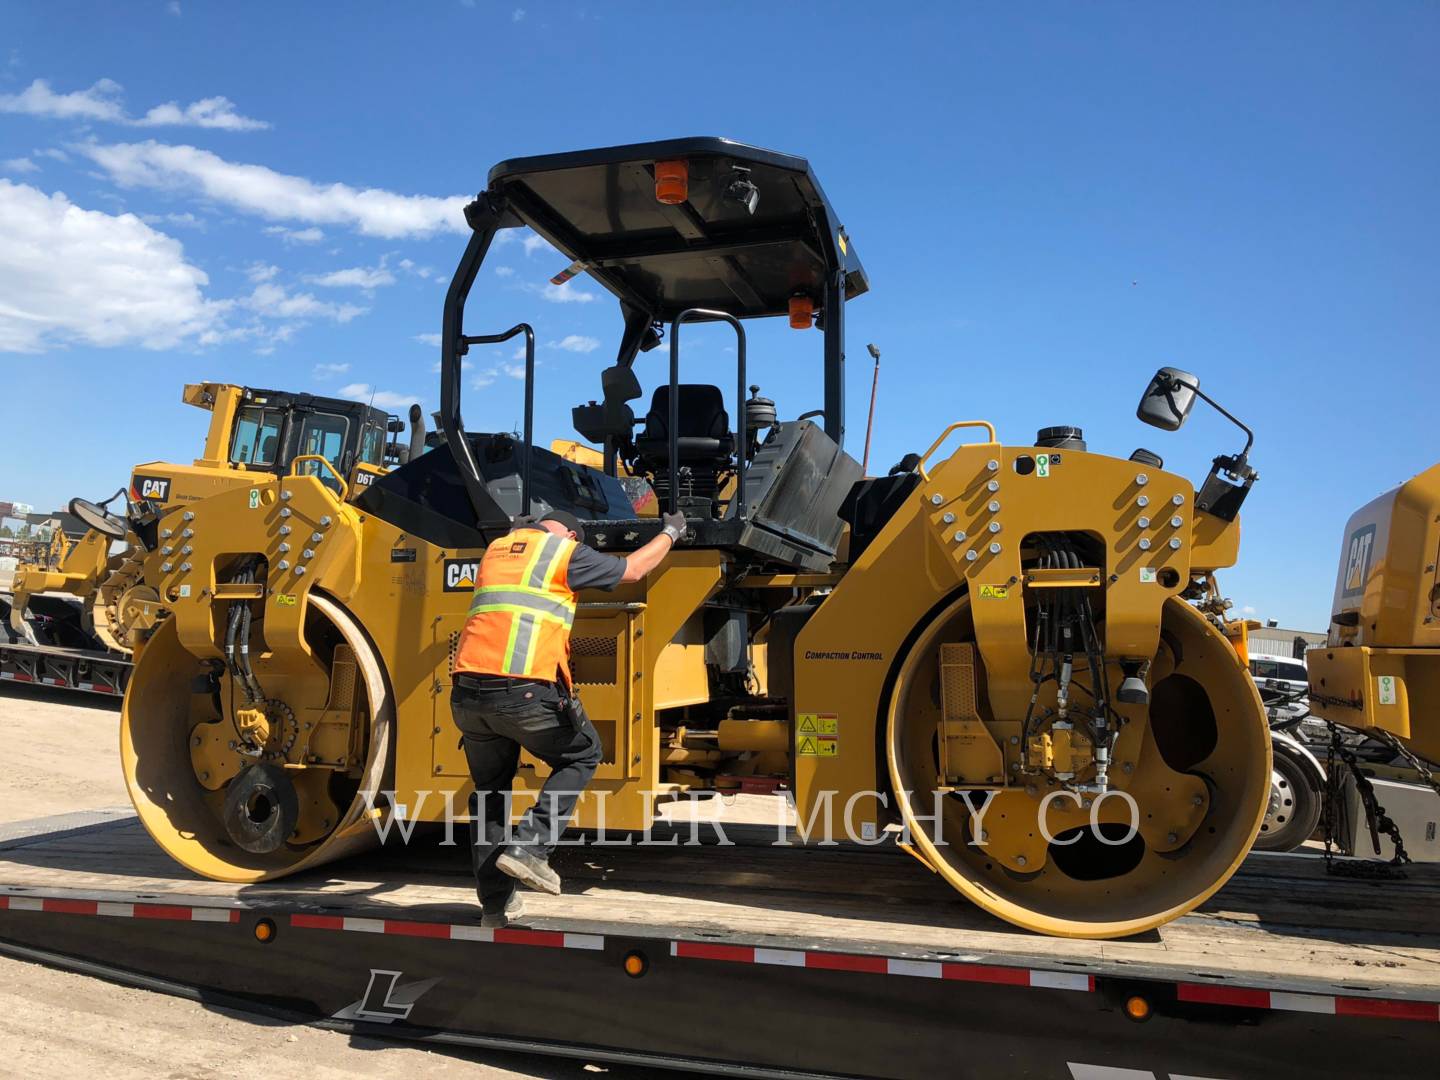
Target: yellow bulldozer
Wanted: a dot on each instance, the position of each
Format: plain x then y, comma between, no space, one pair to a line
1011,656
1379,675
252,430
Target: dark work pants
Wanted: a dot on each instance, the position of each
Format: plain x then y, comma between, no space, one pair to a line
495,725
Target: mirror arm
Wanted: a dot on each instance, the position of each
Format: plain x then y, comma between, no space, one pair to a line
1249,435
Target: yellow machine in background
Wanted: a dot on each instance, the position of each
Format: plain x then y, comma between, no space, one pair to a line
1379,672
250,430
1010,651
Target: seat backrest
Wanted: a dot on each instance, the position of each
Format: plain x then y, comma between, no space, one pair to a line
702,413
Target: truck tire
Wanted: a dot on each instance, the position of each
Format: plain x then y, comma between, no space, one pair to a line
1296,799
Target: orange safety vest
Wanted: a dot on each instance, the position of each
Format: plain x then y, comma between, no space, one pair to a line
522,609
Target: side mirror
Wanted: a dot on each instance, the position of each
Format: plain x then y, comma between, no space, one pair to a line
1168,399
394,425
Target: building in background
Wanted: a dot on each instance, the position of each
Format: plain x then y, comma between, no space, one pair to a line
1274,640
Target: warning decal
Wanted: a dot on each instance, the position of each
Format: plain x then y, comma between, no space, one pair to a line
1387,689
994,592
817,735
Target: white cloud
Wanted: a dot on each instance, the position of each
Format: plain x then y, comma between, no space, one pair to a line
381,399
17,165
433,340
173,7
52,153
576,343
258,190
565,294
329,371
484,379
518,15
74,276
258,272
104,101
100,102
1247,610
535,242
183,221
311,235
419,271
276,301
354,277
515,371
504,271
211,112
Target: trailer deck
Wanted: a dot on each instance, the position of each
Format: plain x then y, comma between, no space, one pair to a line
813,961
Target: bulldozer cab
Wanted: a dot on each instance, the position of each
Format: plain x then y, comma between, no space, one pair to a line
679,231
330,438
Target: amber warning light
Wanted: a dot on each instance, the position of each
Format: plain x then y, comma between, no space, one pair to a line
672,182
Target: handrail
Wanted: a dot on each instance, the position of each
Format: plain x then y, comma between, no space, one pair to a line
344,487
496,339
673,423
957,425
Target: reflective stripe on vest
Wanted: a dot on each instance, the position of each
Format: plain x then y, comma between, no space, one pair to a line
521,614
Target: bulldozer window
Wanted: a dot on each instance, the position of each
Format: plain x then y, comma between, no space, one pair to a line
372,445
324,434
257,437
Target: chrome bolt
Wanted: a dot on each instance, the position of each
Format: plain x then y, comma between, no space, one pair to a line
993,485
1142,480
166,550
937,499
283,564
994,549
1142,501
1014,766
285,495
994,526
1014,740
165,567
184,566
1174,543
949,519
1020,860
299,570
165,534
1198,800
1144,543
959,536
1170,838
284,530
308,553
1128,767
992,465
187,533
1177,521
189,515
284,549
971,555
186,550
1143,522
1178,500
994,506
325,522
285,511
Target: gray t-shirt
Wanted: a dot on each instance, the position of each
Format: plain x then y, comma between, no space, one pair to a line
590,569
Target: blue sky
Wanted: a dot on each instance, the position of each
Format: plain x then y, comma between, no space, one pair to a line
1051,201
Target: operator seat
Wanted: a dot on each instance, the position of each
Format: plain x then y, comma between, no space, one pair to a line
705,445
704,427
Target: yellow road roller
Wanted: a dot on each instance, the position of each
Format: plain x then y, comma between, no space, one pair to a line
1009,658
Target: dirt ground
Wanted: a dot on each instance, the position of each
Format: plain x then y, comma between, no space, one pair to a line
61,756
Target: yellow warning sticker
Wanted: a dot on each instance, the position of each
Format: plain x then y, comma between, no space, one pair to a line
285,599
994,592
810,723
806,746
844,242
827,746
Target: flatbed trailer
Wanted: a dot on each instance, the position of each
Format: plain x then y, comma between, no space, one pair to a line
91,671
753,959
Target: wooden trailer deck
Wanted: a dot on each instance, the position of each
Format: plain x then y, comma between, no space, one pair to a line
1281,923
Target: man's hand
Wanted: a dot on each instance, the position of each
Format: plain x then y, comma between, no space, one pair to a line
639,563
674,526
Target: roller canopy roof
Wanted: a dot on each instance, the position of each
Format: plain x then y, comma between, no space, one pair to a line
599,208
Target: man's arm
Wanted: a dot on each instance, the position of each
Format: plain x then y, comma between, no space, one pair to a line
639,563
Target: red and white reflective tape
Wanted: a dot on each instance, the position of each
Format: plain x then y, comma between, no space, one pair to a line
1207,994
94,688
16,675
885,965
546,939
116,910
